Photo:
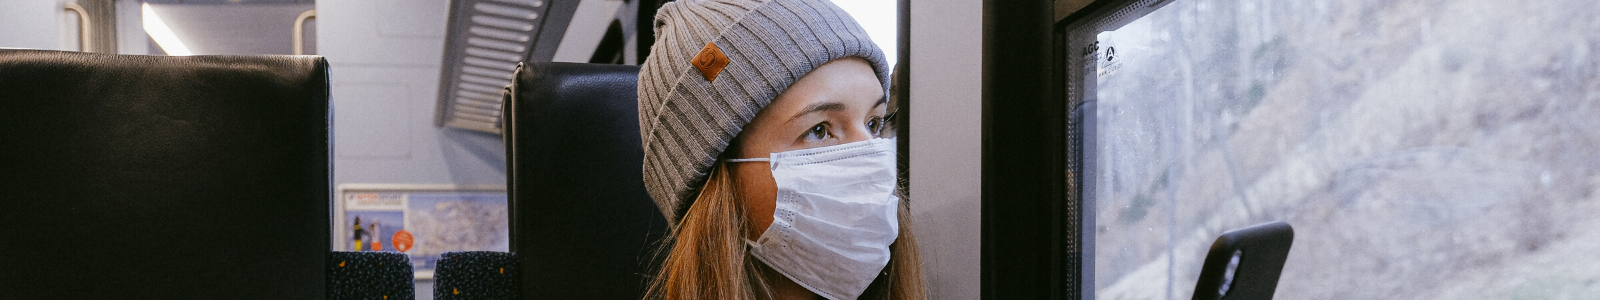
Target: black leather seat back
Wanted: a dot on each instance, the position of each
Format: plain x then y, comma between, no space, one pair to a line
581,222
149,177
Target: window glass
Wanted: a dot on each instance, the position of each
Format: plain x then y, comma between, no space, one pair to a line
1438,149
880,19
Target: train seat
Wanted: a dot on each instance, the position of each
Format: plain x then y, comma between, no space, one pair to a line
582,225
154,177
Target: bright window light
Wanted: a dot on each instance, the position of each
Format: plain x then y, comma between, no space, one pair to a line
163,35
880,18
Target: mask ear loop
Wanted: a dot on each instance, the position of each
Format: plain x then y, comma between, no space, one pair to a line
762,159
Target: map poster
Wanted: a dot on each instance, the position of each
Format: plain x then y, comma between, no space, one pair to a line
422,221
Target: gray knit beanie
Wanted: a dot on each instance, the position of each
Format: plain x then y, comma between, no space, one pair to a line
715,63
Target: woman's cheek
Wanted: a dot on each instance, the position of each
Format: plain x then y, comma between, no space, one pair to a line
759,194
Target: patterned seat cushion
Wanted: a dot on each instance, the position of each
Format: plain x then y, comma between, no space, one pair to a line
369,276
476,275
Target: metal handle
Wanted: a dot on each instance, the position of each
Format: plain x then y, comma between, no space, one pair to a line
299,28
83,25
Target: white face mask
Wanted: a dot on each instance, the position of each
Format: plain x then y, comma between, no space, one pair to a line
835,216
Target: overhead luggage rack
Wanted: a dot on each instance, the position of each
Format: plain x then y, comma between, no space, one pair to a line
485,40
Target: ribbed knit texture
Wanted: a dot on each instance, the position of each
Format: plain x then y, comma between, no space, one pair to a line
687,121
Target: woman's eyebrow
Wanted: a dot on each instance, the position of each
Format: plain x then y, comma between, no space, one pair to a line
818,107
829,107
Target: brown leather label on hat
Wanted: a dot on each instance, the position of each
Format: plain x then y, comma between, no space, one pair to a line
710,61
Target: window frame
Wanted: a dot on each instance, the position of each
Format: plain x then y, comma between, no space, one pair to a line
1037,234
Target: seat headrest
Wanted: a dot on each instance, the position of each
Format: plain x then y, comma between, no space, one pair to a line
130,176
582,223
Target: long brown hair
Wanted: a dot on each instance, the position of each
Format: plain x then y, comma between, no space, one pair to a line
707,258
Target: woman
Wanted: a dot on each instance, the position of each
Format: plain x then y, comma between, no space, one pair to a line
763,129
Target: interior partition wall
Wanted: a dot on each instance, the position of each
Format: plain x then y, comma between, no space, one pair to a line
1029,246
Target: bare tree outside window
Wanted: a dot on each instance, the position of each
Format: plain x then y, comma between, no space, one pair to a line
1432,149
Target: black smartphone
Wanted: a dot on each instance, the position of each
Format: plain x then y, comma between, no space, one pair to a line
1245,263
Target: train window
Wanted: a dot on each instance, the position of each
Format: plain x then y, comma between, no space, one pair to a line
1442,148
181,28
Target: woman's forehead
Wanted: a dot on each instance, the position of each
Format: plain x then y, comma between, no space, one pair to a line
843,84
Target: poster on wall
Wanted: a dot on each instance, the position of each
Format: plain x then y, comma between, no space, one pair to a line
421,221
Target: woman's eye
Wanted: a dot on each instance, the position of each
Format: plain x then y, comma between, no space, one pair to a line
817,133
875,125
